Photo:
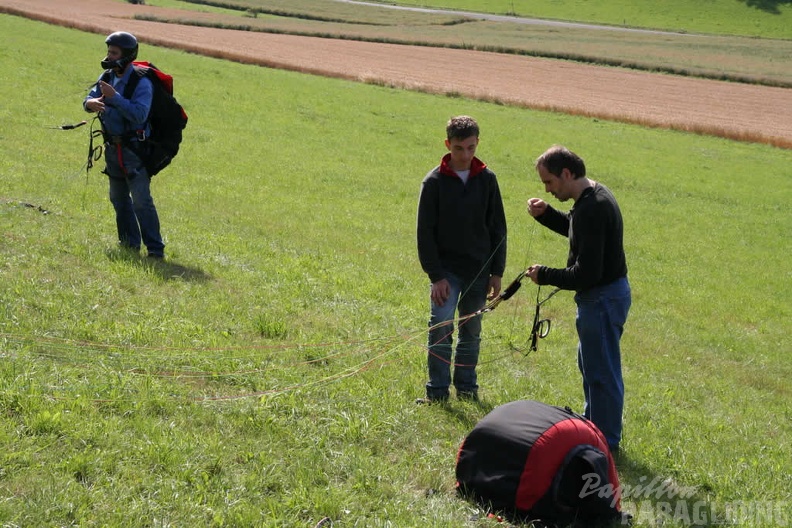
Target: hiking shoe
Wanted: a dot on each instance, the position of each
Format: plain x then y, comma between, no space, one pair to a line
468,396
429,401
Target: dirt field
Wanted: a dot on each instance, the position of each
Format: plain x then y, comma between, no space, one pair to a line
738,111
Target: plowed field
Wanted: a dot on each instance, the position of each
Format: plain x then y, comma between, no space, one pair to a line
739,111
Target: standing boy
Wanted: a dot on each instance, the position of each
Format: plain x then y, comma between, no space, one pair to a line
462,248
597,270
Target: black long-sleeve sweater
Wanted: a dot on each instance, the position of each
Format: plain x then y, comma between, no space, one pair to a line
596,248
461,226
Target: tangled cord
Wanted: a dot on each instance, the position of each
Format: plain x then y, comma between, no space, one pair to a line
94,152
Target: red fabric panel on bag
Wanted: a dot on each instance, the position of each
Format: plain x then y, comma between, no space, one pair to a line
548,453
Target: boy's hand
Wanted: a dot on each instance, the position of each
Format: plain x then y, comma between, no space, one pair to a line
440,292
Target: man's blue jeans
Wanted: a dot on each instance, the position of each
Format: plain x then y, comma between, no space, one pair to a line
130,194
601,315
467,297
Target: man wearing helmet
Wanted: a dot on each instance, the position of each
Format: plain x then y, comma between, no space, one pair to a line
125,127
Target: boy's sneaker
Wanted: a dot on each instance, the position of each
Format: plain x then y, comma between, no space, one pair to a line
428,401
468,396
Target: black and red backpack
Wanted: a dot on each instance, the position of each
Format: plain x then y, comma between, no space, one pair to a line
166,117
533,461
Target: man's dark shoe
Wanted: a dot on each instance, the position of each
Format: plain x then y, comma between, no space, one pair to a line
155,256
468,396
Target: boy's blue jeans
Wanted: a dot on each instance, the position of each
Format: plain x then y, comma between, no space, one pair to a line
601,315
466,297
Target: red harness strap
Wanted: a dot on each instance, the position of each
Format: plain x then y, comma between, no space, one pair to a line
120,158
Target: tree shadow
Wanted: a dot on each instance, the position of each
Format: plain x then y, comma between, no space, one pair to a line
768,6
165,268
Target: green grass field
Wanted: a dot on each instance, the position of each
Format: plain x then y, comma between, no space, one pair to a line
264,374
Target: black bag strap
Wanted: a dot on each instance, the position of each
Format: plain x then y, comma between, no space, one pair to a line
134,79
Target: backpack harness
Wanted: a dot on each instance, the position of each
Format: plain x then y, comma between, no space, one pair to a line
166,118
531,460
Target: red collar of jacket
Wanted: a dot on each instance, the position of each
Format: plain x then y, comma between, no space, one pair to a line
476,166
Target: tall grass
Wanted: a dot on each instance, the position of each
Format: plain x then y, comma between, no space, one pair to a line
263,375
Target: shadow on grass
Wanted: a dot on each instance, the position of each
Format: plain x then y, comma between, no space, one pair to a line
462,412
166,269
652,499
768,6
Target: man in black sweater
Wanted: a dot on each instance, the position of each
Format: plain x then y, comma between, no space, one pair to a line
596,270
462,248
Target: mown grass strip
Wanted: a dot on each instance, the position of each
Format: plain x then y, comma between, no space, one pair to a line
756,19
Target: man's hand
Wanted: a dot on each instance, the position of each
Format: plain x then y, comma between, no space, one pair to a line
494,287
95,105
536,207
440,292
107,90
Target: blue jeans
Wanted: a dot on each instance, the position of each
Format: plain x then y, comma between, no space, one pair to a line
467,297
601,314
130,194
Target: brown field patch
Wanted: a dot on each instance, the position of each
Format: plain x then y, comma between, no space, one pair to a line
737,111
